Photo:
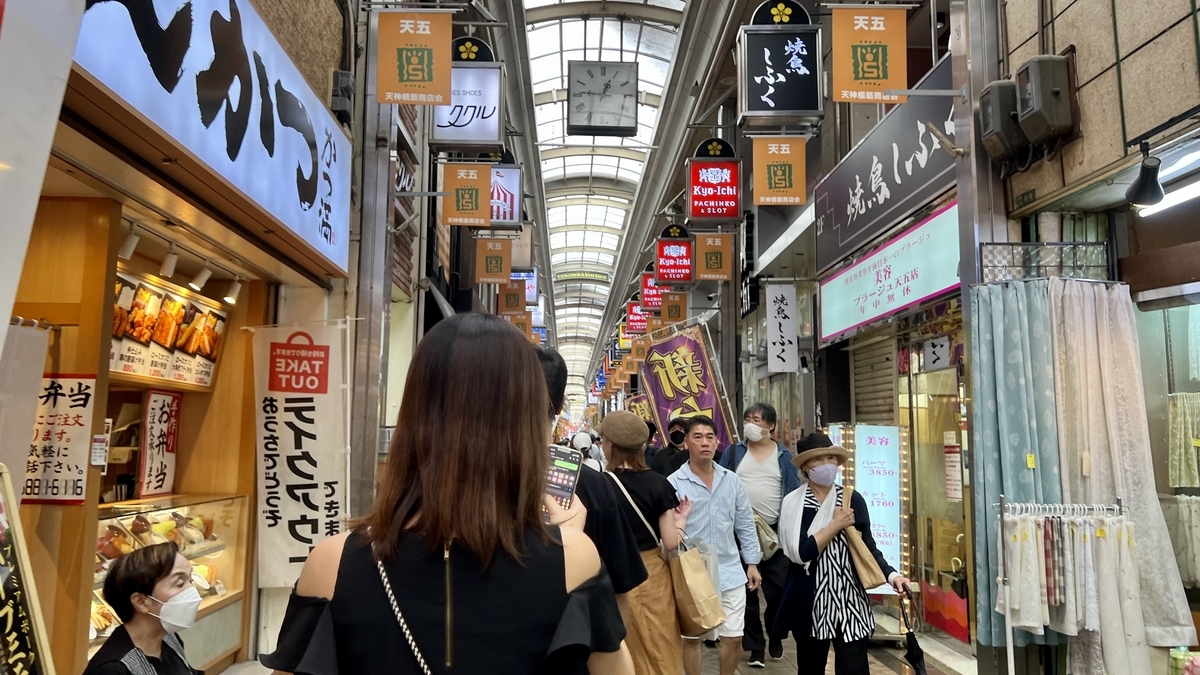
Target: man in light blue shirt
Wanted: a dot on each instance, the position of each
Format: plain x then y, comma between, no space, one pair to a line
722,517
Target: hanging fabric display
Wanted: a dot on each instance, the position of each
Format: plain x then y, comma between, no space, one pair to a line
1059,418
1182,514
1016,444
1105,448
1184,470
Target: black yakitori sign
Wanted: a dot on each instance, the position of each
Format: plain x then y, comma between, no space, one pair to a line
898,168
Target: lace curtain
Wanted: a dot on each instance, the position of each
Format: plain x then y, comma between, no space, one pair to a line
1105,441
1014,426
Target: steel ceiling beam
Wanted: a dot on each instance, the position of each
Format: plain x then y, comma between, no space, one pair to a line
589,201
706,34
583,186
631,11
512,47
559,95
595,151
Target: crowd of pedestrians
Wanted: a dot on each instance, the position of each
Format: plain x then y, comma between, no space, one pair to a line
466,565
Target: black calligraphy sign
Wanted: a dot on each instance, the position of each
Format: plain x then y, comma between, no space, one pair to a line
166,49
897,169
782,71
20,649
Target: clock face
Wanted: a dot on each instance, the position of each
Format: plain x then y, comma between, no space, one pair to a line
602,98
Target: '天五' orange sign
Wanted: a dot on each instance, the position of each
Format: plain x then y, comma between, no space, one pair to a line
493,261
469,200
779,171
870,54
714,256
414,57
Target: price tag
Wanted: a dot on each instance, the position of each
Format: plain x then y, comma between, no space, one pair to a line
1031,460
1196,442
100,450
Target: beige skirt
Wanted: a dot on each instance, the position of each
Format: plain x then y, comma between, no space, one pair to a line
653,629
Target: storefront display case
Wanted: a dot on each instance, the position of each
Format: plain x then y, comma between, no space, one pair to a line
211,532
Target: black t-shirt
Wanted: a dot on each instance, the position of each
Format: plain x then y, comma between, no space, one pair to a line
654,495
609,530
663,461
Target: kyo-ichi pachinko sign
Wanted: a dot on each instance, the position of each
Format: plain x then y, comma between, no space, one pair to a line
300,403
679,379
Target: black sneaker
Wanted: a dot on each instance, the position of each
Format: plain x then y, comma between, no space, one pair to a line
776,649
756,659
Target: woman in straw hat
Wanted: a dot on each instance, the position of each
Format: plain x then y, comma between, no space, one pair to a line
823,600
656,515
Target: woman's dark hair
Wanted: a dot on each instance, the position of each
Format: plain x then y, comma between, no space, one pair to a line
472,377
137,572
622,456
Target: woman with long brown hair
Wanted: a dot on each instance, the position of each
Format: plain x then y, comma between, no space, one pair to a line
455,570
657,516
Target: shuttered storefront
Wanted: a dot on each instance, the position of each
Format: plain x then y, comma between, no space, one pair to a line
873,363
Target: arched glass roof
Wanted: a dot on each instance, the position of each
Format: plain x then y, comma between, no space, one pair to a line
591,181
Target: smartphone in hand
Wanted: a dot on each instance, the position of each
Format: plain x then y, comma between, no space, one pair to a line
562,475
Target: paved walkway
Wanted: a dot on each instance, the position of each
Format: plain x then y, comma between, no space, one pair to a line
883,662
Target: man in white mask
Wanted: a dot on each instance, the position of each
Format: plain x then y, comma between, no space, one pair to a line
152,594
765,469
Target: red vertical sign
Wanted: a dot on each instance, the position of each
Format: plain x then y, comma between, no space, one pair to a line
651,293
714,189
635,319
673,265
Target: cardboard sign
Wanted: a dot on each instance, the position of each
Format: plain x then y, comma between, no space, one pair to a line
414,57
675,307
469,201
57,468
299,366
779,171
511,300
714,256
870,54
493,261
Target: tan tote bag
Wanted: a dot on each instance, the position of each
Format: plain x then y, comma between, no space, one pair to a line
864,563
697,602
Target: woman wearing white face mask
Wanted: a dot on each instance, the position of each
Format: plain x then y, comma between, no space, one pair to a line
823,601
151,592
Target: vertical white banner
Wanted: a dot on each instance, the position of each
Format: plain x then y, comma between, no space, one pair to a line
160,443
37,39
299,399
782,356
20,384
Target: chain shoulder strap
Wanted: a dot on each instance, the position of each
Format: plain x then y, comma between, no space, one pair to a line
408,636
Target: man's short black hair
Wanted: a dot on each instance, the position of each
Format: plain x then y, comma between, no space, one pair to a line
555,370
764,410
700,421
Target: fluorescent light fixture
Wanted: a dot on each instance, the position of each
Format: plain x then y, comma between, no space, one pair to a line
167,270
231,295
1182,163
1173,198
201,278
129,245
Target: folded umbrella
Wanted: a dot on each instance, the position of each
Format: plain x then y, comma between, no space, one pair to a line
914,654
